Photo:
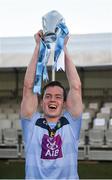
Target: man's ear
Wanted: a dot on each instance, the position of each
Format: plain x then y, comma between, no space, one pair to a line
40,106
64,105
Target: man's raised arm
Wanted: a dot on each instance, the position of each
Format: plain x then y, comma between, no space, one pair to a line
74,98
29,102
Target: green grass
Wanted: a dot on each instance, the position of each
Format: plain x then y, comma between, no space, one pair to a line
87,169
95,170
12,169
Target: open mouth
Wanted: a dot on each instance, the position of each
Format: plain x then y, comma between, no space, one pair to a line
52,106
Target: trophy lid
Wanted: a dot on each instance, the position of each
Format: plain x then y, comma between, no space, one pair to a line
50,20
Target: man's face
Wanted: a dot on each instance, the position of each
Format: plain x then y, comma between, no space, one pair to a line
53,102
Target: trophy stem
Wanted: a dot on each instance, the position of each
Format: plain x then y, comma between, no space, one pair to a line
53,74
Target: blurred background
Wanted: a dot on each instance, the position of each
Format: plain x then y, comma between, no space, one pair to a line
90,46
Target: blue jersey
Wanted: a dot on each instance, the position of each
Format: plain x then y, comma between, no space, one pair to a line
51,157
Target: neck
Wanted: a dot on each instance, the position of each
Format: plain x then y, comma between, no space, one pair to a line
52,119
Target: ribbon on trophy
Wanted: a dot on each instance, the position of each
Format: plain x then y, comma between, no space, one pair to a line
61,31
41,67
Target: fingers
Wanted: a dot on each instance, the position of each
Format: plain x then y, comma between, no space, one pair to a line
40,33
38,36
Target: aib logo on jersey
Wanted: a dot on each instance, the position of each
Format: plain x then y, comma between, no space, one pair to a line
51,147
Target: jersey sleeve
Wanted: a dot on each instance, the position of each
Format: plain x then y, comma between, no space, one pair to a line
28,127
75,123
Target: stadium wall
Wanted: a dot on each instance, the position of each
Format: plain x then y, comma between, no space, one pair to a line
95,82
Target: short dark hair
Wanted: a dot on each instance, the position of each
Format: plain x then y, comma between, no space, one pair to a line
52,84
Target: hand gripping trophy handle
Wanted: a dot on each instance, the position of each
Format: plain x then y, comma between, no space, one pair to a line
51,48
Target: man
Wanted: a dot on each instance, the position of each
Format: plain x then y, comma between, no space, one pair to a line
51,138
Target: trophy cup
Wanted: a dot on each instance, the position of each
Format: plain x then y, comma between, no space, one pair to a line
49,23
52,31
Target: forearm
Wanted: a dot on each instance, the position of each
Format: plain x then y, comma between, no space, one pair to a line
74,98
71,72
30,72
29,102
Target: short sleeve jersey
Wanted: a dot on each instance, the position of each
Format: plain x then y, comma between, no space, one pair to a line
51,157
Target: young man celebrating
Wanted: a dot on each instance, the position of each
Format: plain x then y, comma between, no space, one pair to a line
51,138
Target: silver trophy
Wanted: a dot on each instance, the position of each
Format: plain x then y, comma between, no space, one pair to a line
49,23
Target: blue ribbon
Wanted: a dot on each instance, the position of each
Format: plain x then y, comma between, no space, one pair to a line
41,69
63,32
44,53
